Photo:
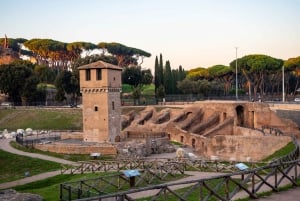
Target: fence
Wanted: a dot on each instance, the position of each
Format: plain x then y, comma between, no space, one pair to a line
279,172
225,187
113,183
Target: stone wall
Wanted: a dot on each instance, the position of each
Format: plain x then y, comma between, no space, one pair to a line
63,148
241,148
72,135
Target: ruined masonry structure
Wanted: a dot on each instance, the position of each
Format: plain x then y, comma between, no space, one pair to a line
100,85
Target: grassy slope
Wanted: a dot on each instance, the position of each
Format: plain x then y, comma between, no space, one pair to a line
49,188
56,119
13,167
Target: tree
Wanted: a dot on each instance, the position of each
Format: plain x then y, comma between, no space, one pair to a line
137,78
223,74
197,73
186,86
168,80
125,55
45,74
49,52
161,70
255,68
160,92
293,65
67,82
75,49
18,81
156,74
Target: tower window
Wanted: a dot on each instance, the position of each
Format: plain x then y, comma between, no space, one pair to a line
88,74
113,105
98,74
96,108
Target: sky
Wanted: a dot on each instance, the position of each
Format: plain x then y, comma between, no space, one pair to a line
190,33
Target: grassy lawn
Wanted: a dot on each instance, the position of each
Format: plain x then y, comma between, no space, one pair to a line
146,90
13,167
149,90
49,188
38,119
194,195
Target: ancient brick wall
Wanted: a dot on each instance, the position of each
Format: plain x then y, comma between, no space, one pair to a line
241,148
76,149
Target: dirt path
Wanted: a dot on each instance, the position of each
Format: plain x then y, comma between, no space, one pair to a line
5,145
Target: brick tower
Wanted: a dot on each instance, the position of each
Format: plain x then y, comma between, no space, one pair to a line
100,86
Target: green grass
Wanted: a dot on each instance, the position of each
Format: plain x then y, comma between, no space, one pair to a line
126,88
13,167
146,90
268,193
49,188
281,152
38,119
194,195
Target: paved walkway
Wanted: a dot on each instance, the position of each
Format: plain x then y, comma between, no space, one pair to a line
289,195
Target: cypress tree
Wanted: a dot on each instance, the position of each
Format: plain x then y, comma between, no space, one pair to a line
156,74
161,70
174,81
168,78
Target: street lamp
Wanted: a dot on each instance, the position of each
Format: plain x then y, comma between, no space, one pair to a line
283,96
236,75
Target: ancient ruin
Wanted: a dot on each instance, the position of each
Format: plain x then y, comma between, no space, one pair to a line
225,130
216,129
7,55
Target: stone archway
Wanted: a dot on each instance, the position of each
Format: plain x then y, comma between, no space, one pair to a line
240,115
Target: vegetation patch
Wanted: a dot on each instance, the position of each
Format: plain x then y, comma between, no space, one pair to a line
14,167
49,188
194,194
41,119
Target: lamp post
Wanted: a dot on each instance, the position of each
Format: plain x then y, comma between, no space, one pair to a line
283,96
236,75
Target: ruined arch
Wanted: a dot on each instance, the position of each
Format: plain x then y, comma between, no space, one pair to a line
240,115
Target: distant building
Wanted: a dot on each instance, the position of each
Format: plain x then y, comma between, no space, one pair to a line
100,85
7,55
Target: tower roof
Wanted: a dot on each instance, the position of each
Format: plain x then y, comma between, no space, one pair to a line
100,64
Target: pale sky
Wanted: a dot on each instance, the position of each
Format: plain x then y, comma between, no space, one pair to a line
191,33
